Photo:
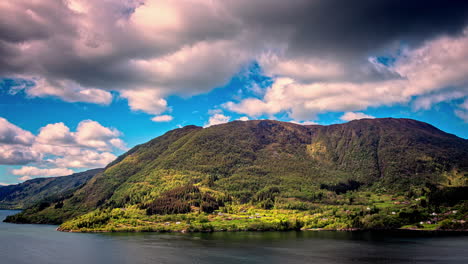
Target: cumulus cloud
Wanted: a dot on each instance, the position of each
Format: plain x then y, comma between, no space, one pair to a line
67,90
243,118
18,155
348,116
27,172
434,72
88,147
146,100
217,117
15,144
162,118
85,159
11,134
80,50
91,134
57,149
55,134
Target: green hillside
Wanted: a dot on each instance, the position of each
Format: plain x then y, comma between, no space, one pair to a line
258,175
28,193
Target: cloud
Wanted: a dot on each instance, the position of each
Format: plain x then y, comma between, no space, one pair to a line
4,184
55,134
24,178
462,112
216,118
85,159
425,102
464,105
82,51
304,101
15,145
162,118
147,100
118,143
11,134
88,147
89,134
305,123
93,135
57,149
67,90
348,116
243,118
434,72
27,172
147,50
18,155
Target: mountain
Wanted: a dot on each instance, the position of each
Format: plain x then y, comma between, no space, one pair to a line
28,193
271,165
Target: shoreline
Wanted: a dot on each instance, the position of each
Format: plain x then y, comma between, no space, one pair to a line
395,230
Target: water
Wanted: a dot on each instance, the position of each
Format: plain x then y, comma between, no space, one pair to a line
42,244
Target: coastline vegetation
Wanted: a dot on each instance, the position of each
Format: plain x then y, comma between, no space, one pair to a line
353,211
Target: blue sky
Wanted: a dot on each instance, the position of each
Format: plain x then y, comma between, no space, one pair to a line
82,86
33,113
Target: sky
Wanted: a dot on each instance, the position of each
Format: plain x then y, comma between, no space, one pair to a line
82,81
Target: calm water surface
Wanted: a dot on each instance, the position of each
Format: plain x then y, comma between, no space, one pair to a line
40,244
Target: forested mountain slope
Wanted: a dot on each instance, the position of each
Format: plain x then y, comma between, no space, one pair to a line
26,194
270,164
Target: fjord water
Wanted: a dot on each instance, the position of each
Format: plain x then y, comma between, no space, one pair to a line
42,244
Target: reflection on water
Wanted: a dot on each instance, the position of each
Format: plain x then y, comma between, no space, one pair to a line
42,244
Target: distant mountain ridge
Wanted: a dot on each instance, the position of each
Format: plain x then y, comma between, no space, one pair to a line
245,161
28,193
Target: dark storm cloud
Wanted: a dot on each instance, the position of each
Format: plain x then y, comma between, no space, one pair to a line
353,28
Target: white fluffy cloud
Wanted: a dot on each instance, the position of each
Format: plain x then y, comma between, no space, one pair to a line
91,134
85,159
305,69
11,134
57,134
18,154
304,123
304,101
162,118
435,72
68,91
15,144
28,171
217,117
348,116
426,101
57,149
146,100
